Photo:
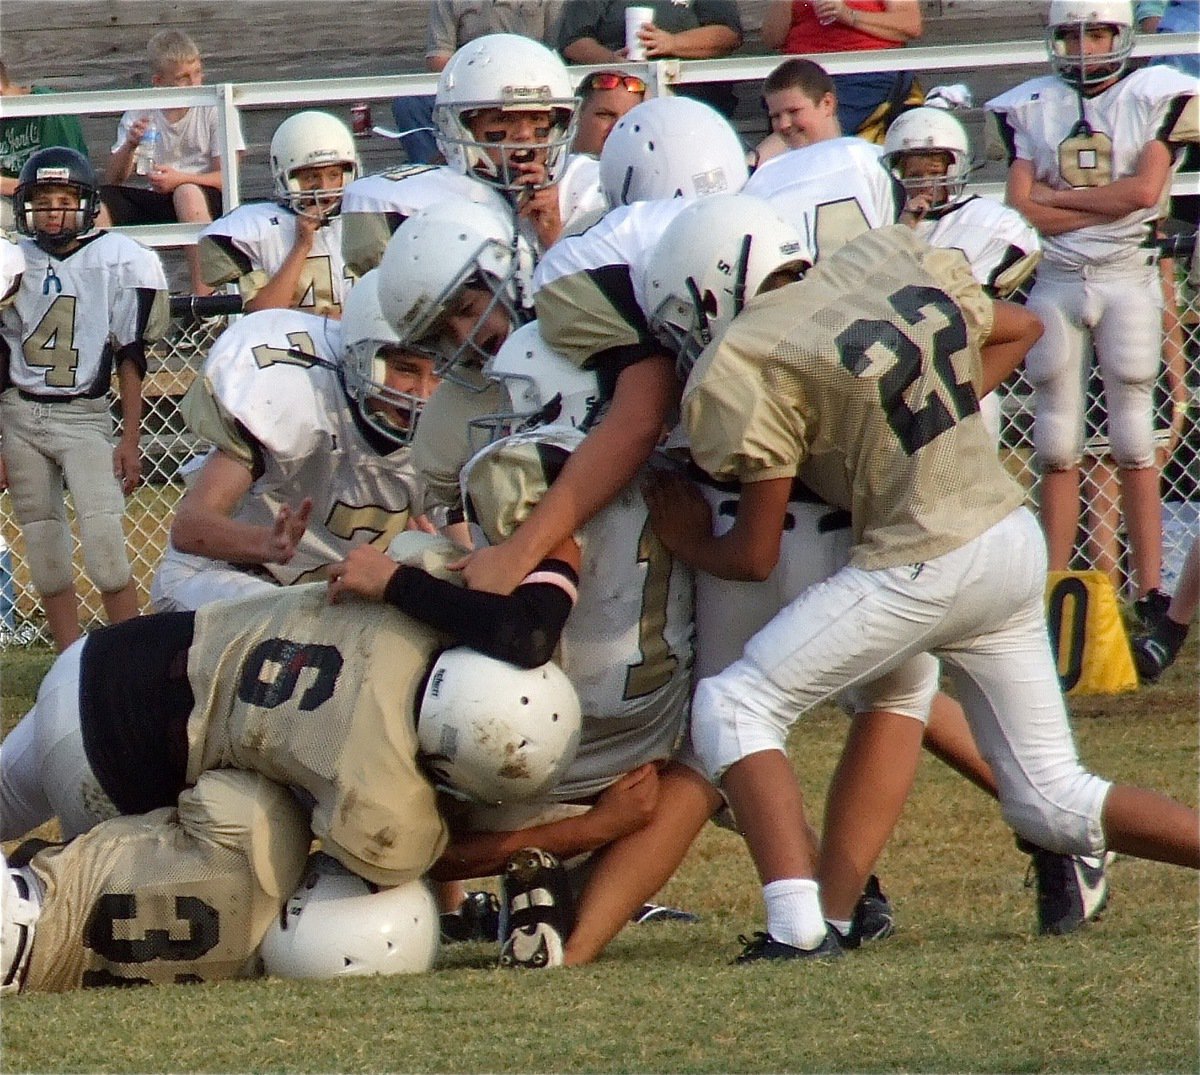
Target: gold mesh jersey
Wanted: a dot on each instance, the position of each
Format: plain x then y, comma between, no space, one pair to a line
176,895
322,697
863,378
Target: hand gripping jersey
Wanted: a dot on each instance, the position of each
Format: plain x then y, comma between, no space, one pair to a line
249,245
374,206
588,289
1075,141
1001,248
322,697
862,378
181,894
627,645
831,191
72,313
271,395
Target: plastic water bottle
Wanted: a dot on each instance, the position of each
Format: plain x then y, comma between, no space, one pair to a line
145,156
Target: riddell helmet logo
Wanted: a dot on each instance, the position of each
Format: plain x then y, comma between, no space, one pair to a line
435,684
56,174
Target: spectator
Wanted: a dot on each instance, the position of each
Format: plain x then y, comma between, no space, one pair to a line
183,182
453,23
604,97
867,102
86,304
802,105
21,138
593,31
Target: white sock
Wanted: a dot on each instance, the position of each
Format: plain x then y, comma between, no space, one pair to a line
842,927
794,912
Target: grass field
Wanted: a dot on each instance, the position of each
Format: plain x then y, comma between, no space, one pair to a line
964,985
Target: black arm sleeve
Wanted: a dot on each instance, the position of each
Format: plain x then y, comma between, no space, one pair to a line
522,628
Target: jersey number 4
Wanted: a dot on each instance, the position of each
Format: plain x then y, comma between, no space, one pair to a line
917,306
51,345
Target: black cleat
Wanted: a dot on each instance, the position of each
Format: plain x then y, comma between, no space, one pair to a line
656,912
541,910
764,946
477,919
1151,609
1072,890
1154,653
873,918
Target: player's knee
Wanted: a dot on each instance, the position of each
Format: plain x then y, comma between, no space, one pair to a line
104,555
1057,444
1064,816
48,554
724,728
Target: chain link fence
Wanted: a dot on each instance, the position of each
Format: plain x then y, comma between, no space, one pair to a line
167,444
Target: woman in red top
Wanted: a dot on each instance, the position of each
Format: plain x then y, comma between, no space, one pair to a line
804,27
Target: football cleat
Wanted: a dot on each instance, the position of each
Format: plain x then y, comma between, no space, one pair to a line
540,910
477,919
1072,890
1151,609
873,918
1154,653
764,946
656,912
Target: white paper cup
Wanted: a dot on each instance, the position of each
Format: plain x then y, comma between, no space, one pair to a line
634,19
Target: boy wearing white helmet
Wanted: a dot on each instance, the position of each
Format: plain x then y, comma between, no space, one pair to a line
311,420
1092,149
289,254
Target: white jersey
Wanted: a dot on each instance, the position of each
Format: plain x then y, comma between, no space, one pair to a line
627,645
830,192
1075,141
580,195
72,313
374,206
249,245
191,143
999,245
589,289
271,394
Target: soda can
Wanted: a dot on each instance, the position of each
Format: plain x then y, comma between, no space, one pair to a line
360,119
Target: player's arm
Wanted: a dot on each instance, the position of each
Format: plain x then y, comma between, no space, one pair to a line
522,628
623,807
747,552
204,525
127,454
1112,201
1048,219
279,292
1015,330
603,464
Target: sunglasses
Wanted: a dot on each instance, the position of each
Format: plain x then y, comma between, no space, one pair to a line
612,80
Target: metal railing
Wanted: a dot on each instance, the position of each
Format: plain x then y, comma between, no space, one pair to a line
174,361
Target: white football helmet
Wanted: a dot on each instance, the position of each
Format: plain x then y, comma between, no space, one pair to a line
924,130
1071,17
365,334
493,732
432,256
514,73
305,140
711,260
20,907
671,147
336,925
542,386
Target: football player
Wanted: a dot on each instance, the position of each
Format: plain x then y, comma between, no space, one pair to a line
310,419
945,571
1092,149
359,707
88,304
289,254
204,886
626,645
505,115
